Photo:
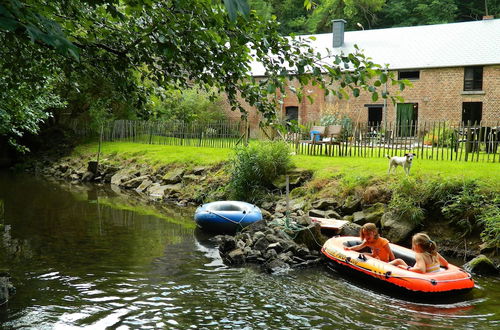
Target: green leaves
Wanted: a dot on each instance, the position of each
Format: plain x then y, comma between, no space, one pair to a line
236,6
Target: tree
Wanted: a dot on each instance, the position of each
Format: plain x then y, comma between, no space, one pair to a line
116,53
417,12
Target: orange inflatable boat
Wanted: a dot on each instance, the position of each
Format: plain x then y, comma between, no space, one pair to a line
452,280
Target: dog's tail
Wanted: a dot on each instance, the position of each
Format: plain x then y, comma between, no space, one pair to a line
386,155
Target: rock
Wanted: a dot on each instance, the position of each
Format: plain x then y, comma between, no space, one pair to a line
276,266
135,182
174,176
144,185
351,204
261,244
271,254
304,221
267,206
481,265
266,214
311,237
350,229
326,204
227,243
276,246
359,218
374,213
122,175
487,248
395,228
199,170
192,178
87,176
235,257
317,213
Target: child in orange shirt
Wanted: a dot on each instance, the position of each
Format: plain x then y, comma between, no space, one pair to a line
427,259
371,238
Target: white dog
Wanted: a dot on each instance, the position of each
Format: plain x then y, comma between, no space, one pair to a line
404,161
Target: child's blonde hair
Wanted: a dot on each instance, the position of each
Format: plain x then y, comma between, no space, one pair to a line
368,227
424,242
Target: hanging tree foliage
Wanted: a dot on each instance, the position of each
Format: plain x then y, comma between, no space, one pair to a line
53,48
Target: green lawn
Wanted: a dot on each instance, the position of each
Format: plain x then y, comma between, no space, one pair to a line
324,166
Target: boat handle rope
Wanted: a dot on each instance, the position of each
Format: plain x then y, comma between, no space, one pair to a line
388,274
226,218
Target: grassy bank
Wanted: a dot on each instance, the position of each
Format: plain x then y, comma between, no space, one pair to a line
356,168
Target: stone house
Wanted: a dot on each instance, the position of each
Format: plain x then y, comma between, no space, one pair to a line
454,69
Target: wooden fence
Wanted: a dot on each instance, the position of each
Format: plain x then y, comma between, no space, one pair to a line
217,134
429,140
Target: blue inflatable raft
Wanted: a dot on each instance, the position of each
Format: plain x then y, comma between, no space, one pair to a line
226,216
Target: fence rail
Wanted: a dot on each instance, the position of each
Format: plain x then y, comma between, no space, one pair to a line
217,134
429,140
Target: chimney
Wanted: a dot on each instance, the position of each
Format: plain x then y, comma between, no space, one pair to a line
338,32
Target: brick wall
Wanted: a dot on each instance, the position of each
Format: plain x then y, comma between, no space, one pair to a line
438,92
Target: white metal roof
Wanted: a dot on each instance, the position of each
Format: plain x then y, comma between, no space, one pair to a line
418,47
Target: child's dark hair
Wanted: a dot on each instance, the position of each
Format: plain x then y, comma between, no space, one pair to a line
368,227
425,243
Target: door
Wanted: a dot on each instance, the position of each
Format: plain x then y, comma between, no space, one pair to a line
406,119
375,116
292,113
472,113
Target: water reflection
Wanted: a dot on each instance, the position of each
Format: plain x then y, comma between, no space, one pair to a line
92,257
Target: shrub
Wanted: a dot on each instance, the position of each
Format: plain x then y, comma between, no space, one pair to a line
490,219
407,199
465,207
254,167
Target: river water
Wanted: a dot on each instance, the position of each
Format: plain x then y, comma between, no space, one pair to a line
90,257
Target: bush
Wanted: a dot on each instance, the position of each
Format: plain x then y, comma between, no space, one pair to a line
254,167
465,207
407,199
490,219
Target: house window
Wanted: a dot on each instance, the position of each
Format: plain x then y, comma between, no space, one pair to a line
472,112
473,78
410,75
375,116
292,113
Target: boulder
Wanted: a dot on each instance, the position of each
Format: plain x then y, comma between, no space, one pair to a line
311,237
144,185
326,204
121,176
481,265
174,176
351,204
199,170
276,266
359,218
350,229
135,182
374,213
235,257
396,229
